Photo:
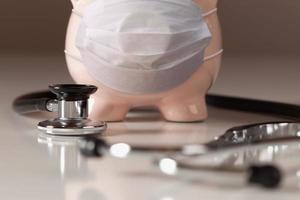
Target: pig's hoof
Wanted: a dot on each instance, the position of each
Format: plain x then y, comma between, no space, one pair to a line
109,112
184,110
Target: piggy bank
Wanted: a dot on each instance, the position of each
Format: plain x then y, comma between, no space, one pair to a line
182,103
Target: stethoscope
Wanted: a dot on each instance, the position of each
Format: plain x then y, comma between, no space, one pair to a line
70,101
185,159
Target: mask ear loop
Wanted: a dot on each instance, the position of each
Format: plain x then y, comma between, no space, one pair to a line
207,14
73,56
77,13
206,58
212,11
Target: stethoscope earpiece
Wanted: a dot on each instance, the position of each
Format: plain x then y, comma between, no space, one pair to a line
263,175
268,176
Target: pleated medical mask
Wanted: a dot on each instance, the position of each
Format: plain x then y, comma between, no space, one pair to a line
142,46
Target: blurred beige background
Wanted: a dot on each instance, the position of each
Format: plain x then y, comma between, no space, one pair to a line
249,26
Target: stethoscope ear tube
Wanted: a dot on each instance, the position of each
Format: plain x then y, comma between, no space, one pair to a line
267,176
34,102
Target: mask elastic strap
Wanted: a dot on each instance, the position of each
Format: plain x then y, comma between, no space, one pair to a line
76,12
73,56
213,55
212,11
205,58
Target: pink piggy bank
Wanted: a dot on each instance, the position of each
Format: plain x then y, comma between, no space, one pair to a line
181,102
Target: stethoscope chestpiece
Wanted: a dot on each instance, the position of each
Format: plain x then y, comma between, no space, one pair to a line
73,110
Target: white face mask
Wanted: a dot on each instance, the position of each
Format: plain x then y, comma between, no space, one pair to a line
142,46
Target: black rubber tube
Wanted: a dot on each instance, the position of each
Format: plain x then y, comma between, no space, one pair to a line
252,105
37,101
34,102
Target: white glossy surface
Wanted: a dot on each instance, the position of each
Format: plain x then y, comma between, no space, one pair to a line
32,169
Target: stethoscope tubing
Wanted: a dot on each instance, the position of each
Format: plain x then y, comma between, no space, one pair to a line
254,105
36,102
267,175
33,102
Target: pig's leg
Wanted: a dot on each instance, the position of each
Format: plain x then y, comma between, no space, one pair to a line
190,109
105,109
187,102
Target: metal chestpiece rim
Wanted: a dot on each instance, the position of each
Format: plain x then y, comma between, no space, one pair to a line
73,110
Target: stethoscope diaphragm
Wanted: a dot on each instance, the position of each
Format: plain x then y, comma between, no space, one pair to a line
70,101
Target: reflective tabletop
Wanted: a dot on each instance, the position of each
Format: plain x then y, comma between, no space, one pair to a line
35,166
